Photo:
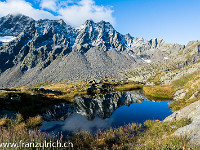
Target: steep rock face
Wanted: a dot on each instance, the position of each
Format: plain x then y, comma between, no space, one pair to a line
52,51
100,34
13,25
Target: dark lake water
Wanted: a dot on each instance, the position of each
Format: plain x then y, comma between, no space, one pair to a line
102,112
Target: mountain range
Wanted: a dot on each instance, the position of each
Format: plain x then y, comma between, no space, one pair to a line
50,51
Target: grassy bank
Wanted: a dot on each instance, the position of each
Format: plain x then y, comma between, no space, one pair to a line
157,135
162,92
20,122
128,87
20,130
67,91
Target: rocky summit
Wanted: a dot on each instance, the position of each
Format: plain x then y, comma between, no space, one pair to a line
49,51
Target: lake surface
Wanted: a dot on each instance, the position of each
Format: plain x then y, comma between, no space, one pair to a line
102,112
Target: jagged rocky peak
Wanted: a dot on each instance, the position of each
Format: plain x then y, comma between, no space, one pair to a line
156,43
105,25
13,25
89,23
99,25
101,34
53,51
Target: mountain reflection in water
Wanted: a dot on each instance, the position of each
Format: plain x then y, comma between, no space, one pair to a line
102,112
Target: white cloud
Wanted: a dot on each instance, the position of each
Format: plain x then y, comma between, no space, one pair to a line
49,4
84,10
73,12
23,7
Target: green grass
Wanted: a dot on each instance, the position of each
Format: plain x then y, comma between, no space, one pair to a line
108,139
34,122
159,136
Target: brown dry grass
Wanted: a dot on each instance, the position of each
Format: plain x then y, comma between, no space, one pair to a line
131,136
162,92
128,87
156,136
191,84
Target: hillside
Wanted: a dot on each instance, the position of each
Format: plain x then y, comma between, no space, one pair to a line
49,51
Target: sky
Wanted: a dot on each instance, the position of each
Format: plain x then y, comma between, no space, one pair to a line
176,21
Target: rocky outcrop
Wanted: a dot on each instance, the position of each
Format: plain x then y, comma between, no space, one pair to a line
190,131
51,51
13,25
181,62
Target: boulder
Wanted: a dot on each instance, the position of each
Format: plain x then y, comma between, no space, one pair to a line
191,131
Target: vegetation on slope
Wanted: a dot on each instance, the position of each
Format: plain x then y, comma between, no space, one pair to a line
191,86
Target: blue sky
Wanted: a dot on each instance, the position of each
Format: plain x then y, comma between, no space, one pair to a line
173,20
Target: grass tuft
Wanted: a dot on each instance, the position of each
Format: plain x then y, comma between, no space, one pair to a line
34,122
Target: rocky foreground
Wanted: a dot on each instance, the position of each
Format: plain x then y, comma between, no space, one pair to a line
190,131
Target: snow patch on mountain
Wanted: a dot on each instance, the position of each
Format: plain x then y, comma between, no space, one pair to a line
6,39
166,58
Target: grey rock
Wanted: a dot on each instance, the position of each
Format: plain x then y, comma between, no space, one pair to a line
180,94
190,131
194,95
49,51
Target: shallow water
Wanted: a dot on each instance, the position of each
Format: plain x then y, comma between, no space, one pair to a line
102,112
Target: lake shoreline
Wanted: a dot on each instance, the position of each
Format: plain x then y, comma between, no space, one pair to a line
52,91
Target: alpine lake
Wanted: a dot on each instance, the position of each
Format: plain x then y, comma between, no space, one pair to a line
102,112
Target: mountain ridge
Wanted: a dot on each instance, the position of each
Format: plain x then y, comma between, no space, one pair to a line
52,51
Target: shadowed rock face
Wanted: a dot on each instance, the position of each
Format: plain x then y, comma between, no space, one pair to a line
102,106
52,51
13,25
